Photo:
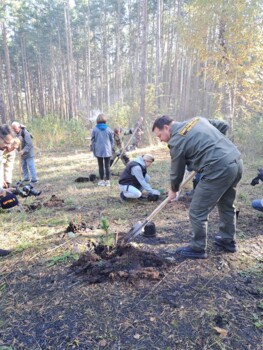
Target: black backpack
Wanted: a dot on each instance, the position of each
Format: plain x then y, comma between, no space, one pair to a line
23,132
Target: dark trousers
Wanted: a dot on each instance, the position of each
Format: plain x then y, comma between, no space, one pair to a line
104,162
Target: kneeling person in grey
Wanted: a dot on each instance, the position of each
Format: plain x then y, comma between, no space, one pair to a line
134,179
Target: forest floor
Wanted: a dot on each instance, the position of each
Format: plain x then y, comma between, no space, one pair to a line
66,286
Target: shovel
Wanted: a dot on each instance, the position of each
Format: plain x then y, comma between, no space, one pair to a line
137,228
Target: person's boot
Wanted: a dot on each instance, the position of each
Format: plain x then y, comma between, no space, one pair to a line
229,245
188,252
123,198
4,252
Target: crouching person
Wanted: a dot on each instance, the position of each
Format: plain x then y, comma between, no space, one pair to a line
134,179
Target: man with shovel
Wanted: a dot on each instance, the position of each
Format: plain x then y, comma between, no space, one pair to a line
199,145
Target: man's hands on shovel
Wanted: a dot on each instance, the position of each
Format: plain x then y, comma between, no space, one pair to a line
172,196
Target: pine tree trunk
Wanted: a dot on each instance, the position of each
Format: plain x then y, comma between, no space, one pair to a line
11,112
143,61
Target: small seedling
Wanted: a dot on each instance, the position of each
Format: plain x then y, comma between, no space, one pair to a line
105,224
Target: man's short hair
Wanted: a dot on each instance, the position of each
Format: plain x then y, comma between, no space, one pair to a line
161,122
16,124
5,130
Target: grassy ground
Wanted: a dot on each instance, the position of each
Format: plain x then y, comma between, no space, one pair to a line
213,304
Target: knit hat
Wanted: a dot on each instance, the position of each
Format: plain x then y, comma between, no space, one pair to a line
148,157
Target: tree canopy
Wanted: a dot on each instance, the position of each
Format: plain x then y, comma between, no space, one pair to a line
71,59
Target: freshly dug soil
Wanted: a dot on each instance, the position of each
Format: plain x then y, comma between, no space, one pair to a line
125,263
54,201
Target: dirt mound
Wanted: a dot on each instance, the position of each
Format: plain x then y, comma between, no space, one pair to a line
124,263
33,206
75,228
54,201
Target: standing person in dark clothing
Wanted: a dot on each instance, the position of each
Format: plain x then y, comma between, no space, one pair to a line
119,146
138,133
199,145
27,152
102,144
134,179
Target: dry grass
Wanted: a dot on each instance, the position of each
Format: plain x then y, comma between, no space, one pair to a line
196,305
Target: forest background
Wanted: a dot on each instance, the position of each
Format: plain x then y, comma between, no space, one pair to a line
63,62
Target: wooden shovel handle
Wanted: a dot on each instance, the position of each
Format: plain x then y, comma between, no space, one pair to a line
163,204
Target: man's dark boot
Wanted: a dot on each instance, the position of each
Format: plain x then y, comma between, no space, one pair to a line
4,252
228,245
188,252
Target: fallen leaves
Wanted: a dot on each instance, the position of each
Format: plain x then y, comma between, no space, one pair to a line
221,331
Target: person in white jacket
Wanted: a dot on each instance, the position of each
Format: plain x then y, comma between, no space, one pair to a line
134,179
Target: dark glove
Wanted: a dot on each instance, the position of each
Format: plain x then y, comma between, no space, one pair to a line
152,197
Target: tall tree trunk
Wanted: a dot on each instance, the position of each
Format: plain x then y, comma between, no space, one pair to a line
70,63
143,61
87,65
41,86
26,81
158,54
11,112
118,67
2,103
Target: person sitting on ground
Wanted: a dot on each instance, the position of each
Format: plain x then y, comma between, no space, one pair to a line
257,203
26,153
102,144
7,200
134,179
119,146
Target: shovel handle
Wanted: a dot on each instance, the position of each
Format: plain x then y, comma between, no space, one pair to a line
163,204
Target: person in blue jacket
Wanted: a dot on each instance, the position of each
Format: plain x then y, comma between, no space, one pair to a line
102,142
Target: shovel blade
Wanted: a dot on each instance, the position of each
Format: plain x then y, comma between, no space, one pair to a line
134,231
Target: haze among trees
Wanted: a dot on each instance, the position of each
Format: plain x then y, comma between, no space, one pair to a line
70,59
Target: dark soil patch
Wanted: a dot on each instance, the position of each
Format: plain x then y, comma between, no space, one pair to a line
54,202
36,205
120,263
